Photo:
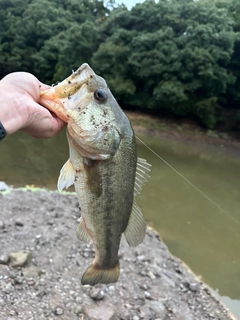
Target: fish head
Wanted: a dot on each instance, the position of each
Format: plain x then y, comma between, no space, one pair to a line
86,103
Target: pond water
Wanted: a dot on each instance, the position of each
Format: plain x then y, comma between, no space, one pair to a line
205,237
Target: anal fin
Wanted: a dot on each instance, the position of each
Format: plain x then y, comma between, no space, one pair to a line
82,233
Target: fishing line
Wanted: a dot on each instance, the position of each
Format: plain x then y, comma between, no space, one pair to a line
189,182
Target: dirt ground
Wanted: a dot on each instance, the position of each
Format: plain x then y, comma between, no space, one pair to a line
45,282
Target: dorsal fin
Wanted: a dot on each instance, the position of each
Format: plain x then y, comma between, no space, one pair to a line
143,167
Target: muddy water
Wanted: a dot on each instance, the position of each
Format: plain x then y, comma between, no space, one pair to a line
204,236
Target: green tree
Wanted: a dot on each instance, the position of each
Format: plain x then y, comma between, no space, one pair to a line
48,38
174,54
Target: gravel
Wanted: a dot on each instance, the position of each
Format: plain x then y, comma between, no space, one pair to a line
46,285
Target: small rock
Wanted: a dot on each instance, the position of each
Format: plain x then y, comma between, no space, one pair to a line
3,186
58,311
4,258
31,283
151,275
78,299
96,293
145,313
194,287
18,280
78,309
31,272
6,287
19,259
1,224
147,295
19,223
159,308
103,312
12,312
141,258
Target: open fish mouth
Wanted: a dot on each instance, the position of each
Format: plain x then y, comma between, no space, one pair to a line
55,97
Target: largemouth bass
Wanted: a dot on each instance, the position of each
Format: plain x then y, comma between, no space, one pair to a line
103,166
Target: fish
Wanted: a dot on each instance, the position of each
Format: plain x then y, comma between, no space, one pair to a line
103,166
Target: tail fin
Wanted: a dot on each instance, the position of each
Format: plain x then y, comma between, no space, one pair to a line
94,275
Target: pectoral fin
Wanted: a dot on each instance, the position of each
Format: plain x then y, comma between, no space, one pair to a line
136,228
82,233
67,176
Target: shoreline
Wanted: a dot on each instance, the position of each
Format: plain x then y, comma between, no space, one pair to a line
153,284
185,132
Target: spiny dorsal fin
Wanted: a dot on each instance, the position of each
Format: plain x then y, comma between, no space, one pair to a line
67,176
136,228
143,167
82,233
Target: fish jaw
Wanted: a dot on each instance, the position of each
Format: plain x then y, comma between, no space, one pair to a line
50,100
54,99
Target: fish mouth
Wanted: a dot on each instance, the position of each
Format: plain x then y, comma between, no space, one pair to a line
55,98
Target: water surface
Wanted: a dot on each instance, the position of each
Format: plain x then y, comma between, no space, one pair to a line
195,230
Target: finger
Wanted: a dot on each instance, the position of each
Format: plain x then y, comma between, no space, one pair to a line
43,124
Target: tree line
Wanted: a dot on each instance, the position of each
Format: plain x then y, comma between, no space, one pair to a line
177,58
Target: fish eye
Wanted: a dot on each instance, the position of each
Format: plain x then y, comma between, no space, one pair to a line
100,95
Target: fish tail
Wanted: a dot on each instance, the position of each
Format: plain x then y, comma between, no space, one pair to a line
94,274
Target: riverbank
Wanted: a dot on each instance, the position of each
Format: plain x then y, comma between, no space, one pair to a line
185,132
153,284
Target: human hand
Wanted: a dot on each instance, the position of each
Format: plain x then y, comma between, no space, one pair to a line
19,108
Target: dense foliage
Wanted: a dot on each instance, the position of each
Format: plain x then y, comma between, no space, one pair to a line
174,57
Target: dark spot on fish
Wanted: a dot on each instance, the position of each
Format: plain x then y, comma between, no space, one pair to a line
91,76
78,170
79,108
94,180
105,128
69,82
84,112
105,112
